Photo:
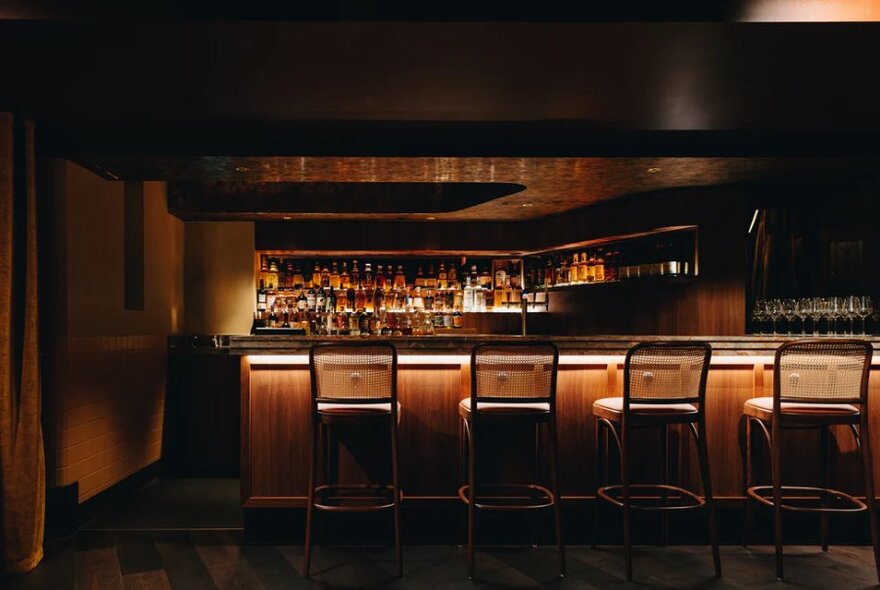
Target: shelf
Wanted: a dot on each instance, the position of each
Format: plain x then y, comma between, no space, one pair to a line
634,281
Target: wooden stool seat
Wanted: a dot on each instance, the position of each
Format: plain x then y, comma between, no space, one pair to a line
504,408
762,408
356,409
612,408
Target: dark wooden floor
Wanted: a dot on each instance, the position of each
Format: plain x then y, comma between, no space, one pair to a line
95,560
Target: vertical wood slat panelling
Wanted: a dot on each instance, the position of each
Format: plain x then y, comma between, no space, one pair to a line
112,409
275,434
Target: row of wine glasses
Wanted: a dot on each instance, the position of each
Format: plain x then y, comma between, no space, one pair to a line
833,310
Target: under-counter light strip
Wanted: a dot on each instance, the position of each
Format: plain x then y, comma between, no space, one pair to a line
458,359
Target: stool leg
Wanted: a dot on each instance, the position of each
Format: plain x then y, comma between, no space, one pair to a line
557,495
310,508
472,498
776,471
462,471
664,467
747,483
624,480
601,449
703,452
870,499
823,463
395,482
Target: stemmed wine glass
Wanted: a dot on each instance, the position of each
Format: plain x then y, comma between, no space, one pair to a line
759,314
803,309
863,309
788,309
817,310
774,310
830,312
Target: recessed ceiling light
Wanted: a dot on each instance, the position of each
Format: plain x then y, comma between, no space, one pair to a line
242,169
430,218
528,204
653,170
287,218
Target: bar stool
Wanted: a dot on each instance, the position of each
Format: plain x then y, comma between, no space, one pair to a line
817,384
353,382
513,384
664,383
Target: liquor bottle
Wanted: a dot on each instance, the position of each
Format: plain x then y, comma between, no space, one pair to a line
330,303
399,278
582,271
380,278
261,295
311,297
273,317
301,301
442,277
360,298
591,268
564,276
368,277
418,302
298,281
548,273
474,276
273,275
345,278
264,270
379,298
289,271
389,277
467,299
335,279
282,275
600,267
485,279
325,277
429,299
342,303
420,277
479,297
574,271
500,277
355,273
452,277
354,324
316,275
611,266
351,293
320,299
456,319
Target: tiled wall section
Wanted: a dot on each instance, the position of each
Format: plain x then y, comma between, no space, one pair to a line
111,410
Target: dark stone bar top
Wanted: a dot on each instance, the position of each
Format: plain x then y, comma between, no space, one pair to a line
568,345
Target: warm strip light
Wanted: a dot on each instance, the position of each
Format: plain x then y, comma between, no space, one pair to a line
461,359
754,219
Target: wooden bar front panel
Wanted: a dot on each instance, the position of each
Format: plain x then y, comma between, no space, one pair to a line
275,434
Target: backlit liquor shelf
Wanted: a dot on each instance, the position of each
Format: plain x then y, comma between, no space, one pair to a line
422,296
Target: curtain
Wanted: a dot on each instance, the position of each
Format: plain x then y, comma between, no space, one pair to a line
22,465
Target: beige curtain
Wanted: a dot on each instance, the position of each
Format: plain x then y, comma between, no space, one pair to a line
22,466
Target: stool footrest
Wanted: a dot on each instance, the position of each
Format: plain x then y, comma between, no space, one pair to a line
524,496
361,497
611,494
755,493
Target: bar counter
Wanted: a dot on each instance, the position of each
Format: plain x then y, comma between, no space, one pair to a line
433,377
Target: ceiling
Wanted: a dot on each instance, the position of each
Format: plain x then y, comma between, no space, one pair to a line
577,112
476,189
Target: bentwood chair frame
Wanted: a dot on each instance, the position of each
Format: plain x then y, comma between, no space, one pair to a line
511,496
858,424
371,368
620,429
